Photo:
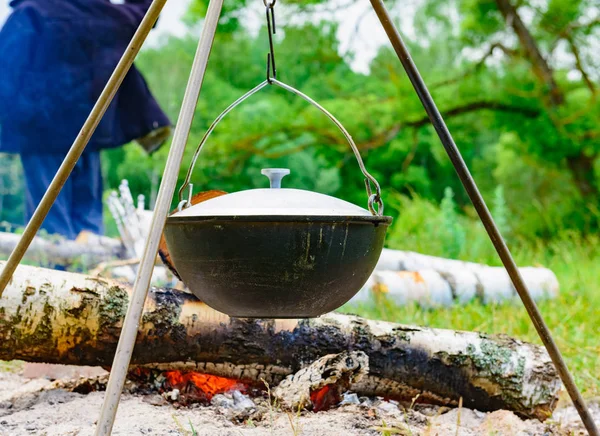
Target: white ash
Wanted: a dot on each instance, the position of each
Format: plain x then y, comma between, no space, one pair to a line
174,395
349,398
238,407
243,402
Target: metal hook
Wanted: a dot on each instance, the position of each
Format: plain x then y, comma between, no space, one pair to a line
272,29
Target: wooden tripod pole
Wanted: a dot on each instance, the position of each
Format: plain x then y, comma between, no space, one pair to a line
81,141
129,331
484,214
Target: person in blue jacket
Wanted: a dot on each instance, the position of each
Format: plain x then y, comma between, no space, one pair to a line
55,59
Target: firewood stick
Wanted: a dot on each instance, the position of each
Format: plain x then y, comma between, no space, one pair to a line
104,266
59,317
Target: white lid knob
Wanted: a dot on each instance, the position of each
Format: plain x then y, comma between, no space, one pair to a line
275,176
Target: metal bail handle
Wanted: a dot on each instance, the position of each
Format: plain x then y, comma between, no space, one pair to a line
375,203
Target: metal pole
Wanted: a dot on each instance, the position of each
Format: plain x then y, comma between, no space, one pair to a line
484,213
81,142
129,331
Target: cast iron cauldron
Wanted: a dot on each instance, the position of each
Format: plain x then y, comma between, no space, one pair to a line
275,253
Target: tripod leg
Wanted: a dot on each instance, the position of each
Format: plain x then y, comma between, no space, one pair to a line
81,142
483,211
163,202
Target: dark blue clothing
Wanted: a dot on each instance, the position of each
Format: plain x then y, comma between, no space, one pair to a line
79,204
55,58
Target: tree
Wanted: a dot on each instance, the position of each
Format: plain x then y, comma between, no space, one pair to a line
523,116
570,104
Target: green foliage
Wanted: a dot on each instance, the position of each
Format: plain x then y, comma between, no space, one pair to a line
11,190
500,211
481,18
437,229
545,157
559,14
524,147
525,154
453,233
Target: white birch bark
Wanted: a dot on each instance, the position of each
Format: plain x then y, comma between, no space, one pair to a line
60,317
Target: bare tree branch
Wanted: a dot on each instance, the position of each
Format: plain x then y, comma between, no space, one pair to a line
571,28
580,26
540,65
480,63
384,137
246,148
579,64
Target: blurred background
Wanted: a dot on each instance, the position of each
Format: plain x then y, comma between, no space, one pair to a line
525,118
519,92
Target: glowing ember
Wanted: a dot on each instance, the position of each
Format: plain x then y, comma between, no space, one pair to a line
139,373
325,398
205,386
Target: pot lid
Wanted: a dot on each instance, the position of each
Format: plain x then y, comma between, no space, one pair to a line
274,201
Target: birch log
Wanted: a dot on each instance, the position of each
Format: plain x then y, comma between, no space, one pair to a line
59,317
103,255
405,277
59,251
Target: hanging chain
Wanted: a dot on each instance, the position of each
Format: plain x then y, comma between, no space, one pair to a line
374,198
270,13
375,203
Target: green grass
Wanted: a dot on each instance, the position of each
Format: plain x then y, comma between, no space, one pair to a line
12,366
573,317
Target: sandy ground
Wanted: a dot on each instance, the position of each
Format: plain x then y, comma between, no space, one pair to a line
28,407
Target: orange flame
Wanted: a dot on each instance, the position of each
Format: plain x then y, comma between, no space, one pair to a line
324,398
209,385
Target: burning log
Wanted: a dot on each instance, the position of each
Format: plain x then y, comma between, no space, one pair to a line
59,317
206,386
321,384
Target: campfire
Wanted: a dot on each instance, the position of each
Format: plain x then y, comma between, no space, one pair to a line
197,386
319,387
161,398
188,387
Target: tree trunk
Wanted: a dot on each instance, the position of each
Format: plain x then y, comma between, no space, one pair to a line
541,68
582,169
59,317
